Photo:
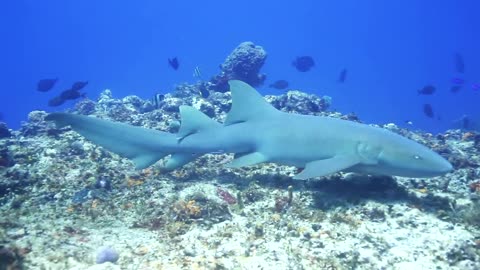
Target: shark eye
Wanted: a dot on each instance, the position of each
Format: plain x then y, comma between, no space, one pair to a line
417,157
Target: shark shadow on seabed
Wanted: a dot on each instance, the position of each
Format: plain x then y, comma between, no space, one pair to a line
358,189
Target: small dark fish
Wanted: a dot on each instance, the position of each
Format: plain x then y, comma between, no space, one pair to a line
280,84
303,63
428,110
458,81
174,63
203,91
46,85
56,101
455,88
343,76
459,64
71,94
427,90
78,85
476,87
157,99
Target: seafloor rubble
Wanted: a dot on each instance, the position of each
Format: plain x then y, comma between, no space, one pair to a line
69,204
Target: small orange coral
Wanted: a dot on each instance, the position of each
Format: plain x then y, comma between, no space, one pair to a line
133,181
188,209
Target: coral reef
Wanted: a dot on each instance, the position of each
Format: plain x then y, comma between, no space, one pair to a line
62,197
244,63
4,131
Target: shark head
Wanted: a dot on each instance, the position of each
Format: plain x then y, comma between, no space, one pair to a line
404,157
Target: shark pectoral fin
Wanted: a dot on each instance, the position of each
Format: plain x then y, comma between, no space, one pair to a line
248,160
143,161
178,160
328,166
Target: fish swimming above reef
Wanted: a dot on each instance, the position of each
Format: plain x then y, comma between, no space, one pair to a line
157,100
203,90
173,62
46,85
343,76
303,63
427,90
319,145
280,84
428,110
197,73
71,94
78,85
56,101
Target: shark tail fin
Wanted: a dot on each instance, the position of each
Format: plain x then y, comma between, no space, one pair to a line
143,146
247,104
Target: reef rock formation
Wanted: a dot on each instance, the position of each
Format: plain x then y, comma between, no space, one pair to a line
244,63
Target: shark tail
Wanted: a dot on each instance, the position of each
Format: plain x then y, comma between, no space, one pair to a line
143,146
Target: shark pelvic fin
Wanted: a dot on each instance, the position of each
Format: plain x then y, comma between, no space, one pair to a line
328,166
194,121
177,160
247,104
247,160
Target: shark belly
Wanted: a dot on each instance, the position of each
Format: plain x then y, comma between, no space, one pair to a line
299,140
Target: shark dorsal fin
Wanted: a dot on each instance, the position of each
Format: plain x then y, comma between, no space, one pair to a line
247,104
194,121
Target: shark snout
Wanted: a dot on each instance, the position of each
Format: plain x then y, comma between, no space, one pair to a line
446,166
440,165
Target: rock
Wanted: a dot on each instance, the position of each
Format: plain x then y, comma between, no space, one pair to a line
4,131
244,63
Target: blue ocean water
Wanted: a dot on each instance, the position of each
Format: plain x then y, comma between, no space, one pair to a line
390,49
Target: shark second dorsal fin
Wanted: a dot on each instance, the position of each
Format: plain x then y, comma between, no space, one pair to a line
247,104
194,121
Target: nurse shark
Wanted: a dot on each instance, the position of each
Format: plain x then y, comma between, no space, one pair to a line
256,132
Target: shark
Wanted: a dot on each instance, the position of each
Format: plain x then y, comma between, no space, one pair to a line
256,132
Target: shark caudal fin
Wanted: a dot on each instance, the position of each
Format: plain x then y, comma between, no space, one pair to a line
247,104
143,146
193,121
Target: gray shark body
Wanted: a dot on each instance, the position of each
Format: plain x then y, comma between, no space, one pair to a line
256,132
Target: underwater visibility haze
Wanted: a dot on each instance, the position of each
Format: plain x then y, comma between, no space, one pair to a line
249,135
386,52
